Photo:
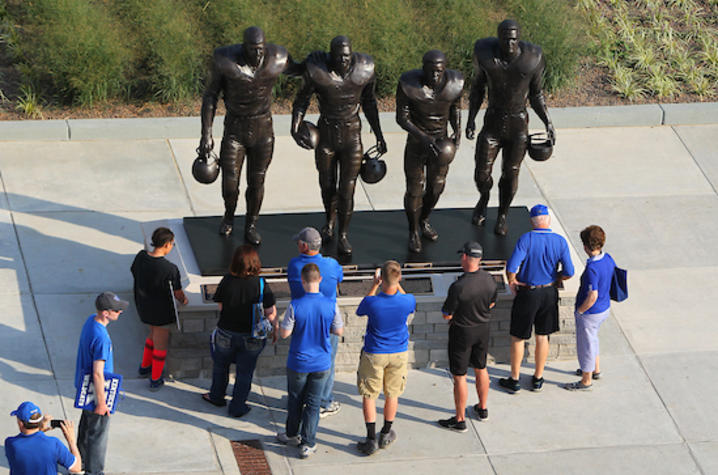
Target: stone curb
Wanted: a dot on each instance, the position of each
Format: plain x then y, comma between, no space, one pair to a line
643,115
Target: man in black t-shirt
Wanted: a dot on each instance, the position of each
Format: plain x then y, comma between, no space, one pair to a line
467,308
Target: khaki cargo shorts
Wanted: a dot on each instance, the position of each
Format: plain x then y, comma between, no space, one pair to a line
387,371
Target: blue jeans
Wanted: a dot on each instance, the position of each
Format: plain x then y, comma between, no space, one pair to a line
242,350
328,392
92,435
304,391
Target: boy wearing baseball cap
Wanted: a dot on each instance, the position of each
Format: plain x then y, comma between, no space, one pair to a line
94,356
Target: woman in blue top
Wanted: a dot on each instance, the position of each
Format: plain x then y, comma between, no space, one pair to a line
593,304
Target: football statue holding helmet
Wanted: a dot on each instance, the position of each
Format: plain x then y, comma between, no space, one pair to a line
512,70
342,80
245,74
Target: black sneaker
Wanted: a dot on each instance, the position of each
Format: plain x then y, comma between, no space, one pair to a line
482,414
144,372
387,439
510,384
453,424
156,384
537,383
367,446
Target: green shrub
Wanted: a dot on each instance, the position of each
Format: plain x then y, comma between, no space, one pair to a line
73,49
90,50
170,47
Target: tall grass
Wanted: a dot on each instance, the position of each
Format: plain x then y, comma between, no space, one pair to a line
91,50
72,49
170,46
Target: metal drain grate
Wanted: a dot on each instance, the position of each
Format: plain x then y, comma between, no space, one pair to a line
250,457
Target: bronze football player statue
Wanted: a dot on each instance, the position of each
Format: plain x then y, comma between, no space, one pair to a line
245,74
342,80
426,100
512,70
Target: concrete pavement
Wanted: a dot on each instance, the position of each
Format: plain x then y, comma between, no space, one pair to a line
70,213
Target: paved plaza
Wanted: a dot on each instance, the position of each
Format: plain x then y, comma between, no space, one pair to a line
74,194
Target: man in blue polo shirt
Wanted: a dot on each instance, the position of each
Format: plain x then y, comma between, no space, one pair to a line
309,319
309,242
31,452
532,273
384,361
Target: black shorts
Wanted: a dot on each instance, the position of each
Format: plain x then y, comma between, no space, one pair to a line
537,307
468,347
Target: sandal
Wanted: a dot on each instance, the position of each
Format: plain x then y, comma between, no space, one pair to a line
577,386
593,376
206,397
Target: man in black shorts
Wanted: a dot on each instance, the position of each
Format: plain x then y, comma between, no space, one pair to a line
533,273
468,309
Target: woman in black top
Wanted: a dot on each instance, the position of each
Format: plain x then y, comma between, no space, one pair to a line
232,340
157,282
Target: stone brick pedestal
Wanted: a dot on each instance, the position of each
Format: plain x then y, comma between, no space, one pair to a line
189,355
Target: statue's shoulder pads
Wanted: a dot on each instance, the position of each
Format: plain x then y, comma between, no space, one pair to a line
363,69
531,55
411,84
454,85
317,70
276,58
485,49
225,56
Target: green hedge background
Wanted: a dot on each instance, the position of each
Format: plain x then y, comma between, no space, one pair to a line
88,51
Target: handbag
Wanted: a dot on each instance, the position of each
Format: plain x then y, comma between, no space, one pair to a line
619,285
261,327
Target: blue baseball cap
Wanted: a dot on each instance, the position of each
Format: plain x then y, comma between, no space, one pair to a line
28,412
539,210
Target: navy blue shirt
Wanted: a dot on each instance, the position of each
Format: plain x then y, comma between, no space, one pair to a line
386,328
329,269
538,254
36,454
311,318
597,276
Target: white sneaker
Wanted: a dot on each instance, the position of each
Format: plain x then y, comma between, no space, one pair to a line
285,439
305,450
330,410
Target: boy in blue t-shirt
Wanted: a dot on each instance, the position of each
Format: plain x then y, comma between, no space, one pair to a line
309,320
384,358
309,242
95,357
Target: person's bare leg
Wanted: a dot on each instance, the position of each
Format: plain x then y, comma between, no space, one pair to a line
369,409
586,378
597,369
391,405
482,386
461,394
517,356
541,355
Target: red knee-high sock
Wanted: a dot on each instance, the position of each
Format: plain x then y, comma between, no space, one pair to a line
158,363
147,354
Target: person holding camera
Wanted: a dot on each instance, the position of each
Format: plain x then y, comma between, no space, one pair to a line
34,453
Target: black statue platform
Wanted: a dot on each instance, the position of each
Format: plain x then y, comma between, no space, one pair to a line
375,235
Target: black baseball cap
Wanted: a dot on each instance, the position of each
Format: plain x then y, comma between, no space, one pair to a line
472,249
110,301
